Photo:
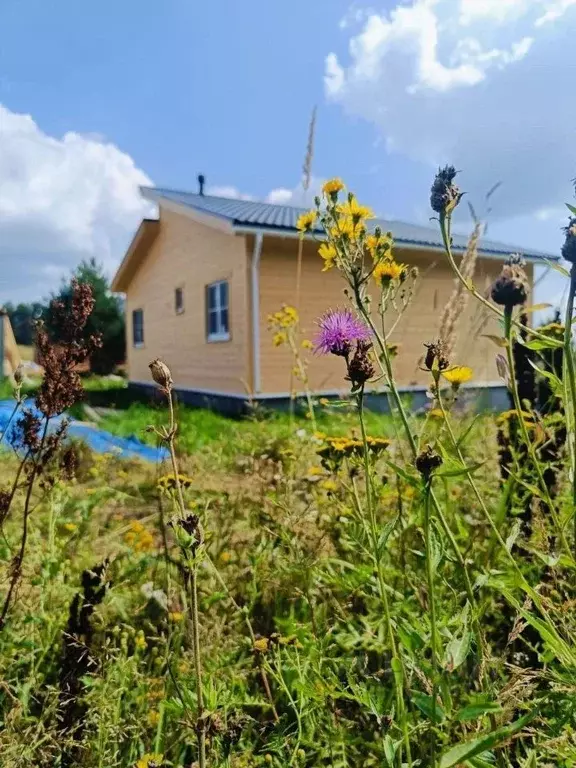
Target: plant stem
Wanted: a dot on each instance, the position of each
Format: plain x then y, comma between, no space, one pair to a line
570,397
524,429
432,607
398,683
193,585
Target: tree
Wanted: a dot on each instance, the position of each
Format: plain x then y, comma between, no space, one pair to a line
22,318
107,317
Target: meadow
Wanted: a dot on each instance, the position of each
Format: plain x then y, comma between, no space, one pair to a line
327,587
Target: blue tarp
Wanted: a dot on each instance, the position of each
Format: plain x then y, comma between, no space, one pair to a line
97,439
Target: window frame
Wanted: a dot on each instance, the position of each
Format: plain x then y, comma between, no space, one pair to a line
140,343
218,309
179,290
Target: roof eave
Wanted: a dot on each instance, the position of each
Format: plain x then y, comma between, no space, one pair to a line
287,232
143,238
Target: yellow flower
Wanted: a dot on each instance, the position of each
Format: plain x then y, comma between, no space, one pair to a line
150,760
153,717
315,470
328,253
176,616
140,641
508,415
387,271
279,338
324,401
70,526
458,375
356,211
261,645
291,312
306,221
436,413
332,187
307,344
328,485
225,557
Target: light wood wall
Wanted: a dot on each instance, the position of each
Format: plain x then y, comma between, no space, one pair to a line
420,323
191,255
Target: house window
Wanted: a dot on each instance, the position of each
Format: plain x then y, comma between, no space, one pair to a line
138,327
179,300
218,328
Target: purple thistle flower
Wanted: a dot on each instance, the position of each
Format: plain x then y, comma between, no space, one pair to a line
339,332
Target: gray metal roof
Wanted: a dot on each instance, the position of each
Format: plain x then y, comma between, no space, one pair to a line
282,219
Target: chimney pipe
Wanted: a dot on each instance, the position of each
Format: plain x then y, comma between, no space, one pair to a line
201,182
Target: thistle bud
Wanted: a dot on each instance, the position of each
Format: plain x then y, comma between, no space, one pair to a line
161,374
569,247
510,289
436,358
427,461
18,376
361,367
445,195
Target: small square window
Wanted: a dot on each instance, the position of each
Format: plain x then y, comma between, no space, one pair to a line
217,324
138,327
179,300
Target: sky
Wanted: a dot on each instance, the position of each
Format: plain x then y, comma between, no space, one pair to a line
99,98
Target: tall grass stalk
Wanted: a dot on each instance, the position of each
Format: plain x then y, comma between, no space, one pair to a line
432,606
570,387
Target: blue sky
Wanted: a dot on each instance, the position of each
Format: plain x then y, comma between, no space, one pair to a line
119,94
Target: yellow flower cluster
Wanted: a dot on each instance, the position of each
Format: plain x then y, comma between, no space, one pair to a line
512,415
287,317
151,760
139,538
458,375
168,482
338,448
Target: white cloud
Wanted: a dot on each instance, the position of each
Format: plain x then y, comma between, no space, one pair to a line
227,190
482,84
61,200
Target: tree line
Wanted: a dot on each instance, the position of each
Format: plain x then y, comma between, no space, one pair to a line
107,318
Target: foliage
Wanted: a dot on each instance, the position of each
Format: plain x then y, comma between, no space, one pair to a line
364,590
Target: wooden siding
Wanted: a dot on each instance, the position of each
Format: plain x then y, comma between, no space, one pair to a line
190,255
419,324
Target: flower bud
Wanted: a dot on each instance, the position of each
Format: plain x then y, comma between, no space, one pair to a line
445,195
161,374
510,289
18,376
427,461
569,246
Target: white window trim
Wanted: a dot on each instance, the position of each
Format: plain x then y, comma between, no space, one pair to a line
218,335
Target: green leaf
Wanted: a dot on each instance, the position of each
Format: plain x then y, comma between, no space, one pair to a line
513,535
478,709
436,550
571,208
386,532
468,749
457,650
468,429
424,704
536,308
389,750
555,382
460,470
537,344
411,479
498,340
557,267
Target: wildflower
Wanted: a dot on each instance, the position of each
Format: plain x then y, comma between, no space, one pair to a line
151,760
261,645
427,461
510,288
176,616
435,413
140,641
168,482
380,245
329,486
307,344
331,188
225,557
339,331
361,368
153,717
389,270
445,195
328,254
458,375
279,338
70,527
306,221
314,471
189,532
161,374
355,211
569,246
507,416
436,358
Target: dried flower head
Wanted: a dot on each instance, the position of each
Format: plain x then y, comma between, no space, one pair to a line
339,331
569,246
445,195
436,358
511,287
427,461
361,368
161,374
